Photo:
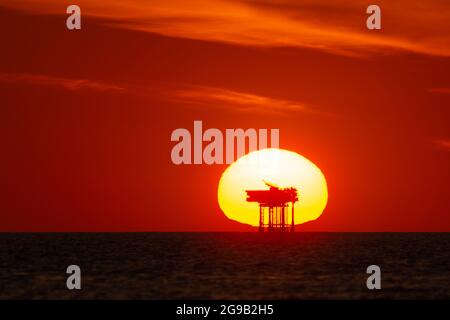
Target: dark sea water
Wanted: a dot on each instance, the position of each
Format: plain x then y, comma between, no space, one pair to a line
225,265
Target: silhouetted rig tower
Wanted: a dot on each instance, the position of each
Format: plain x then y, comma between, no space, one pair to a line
276,201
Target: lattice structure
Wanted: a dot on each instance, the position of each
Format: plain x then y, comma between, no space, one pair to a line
275,202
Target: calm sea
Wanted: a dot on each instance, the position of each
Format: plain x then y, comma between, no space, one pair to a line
225,265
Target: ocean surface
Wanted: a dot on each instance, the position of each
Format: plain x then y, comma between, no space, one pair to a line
225,265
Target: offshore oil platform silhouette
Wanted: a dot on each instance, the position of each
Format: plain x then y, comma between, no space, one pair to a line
276,201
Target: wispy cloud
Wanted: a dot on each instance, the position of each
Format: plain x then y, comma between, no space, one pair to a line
408,25
237,101
200,95
439,90
443,144
58,82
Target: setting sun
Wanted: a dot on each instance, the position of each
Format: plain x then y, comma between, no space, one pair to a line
279,167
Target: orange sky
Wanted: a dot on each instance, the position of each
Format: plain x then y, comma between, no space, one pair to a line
86,116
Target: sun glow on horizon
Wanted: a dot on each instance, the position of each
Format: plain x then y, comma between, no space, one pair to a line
281,167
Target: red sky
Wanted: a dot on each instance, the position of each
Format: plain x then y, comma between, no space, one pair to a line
86,116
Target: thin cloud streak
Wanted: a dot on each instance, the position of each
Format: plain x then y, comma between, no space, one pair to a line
58,82
199,95
443,144
237,101
422,28
439,90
